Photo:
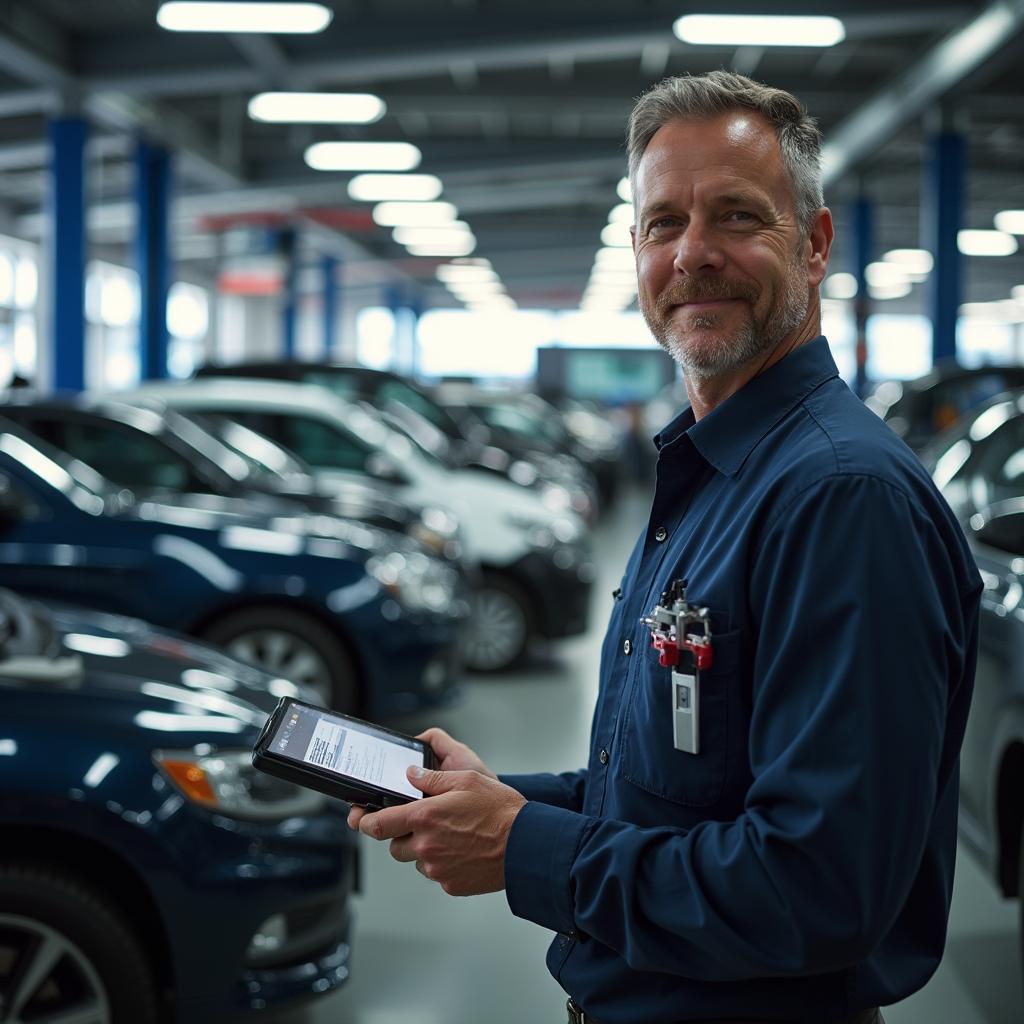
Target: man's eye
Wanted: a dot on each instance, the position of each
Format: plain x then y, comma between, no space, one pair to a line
740,216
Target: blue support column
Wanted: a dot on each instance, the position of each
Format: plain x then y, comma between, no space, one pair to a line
286,248
941,220
863,252
67,249
152,256
329,270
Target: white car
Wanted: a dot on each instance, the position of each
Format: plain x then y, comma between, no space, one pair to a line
534,557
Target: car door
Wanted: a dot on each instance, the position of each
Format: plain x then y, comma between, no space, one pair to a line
998,545
52,548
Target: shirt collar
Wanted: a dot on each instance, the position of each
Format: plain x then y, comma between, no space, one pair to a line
730,432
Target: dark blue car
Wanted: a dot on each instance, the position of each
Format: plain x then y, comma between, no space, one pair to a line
366,617
147,872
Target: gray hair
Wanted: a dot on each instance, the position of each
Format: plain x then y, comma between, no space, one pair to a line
704,97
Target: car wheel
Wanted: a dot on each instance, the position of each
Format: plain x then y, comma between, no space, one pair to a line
499,628
67,954
293,646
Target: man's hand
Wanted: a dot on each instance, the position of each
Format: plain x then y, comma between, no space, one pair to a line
457,835
452,756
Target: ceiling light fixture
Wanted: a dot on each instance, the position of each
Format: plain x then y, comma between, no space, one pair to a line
985,243
617,236
463,245
190,16
377,188
622,214
451,272
624,190
1010,221
316,108
758,30
398,214
915,261
617,257
412,234
840,286
363,156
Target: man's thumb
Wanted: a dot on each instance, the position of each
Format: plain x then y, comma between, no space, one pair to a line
428,781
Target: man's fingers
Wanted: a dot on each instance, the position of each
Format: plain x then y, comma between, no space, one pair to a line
389,823
402,851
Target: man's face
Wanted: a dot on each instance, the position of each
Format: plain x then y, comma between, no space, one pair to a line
724,271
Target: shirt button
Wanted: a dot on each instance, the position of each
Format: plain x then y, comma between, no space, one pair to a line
627,646
603,757
660,534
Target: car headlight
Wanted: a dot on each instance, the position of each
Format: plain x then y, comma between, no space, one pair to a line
226,782
415,580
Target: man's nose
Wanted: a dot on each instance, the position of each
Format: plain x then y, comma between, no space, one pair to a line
698,251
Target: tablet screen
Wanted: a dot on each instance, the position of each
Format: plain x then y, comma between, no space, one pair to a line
380,758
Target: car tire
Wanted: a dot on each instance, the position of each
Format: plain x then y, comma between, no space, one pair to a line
498,633
65,947
293,646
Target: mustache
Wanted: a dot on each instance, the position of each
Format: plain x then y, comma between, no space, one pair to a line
704,290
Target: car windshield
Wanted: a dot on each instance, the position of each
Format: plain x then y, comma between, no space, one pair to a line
78,482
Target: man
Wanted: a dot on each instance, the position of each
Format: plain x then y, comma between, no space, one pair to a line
792,858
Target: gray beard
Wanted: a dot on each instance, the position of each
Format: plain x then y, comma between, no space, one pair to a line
702,362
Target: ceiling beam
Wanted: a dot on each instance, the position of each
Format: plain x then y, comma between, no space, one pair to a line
924,83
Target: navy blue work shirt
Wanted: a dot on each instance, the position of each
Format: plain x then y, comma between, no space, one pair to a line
800,867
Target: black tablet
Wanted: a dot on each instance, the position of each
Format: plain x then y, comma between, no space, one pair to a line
344,757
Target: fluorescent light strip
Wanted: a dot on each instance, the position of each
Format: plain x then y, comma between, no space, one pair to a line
397,214
316,108
986,243
188,16
617,236
363,156
622,214
459,247
758,30
617,257
426,235
1010,221
624,190
376,188
916,261
451,272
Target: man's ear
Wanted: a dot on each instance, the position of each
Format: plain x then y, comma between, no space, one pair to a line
819,241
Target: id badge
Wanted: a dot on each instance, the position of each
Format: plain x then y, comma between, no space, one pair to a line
686,711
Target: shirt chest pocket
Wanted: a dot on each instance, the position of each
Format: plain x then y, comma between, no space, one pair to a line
650,759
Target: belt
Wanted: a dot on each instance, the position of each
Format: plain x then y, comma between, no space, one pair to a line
577,1016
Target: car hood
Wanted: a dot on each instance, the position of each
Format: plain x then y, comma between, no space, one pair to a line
175,683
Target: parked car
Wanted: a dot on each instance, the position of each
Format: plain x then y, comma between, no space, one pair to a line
919,410
531,426
460,442
159,453
367,618
147,872
536,570
979,465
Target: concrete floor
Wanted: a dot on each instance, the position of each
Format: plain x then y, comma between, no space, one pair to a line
421,957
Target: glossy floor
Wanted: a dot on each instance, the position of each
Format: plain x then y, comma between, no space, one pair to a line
421,957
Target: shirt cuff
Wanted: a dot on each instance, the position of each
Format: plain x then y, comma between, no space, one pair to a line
538,860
